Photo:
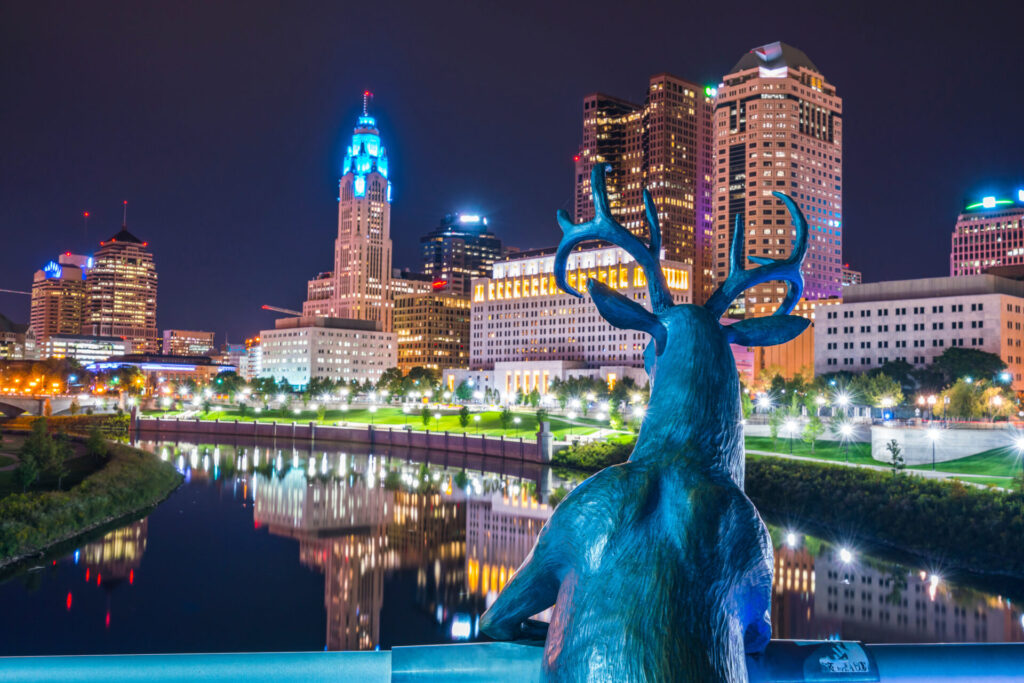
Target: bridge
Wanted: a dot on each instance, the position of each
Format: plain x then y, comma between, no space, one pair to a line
13,406
784,661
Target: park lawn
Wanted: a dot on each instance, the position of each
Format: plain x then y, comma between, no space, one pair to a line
78,468
834,451
1001,482
490,421
997,462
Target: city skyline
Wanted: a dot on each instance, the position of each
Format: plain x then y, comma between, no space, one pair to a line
239,180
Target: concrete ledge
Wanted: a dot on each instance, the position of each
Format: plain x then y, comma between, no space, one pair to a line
784,661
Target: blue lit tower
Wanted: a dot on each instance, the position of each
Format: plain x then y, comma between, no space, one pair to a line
359,285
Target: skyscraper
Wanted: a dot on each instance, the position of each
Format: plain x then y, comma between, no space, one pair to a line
778,127
458,250
358,287
59,303
666,146
989,232
121,290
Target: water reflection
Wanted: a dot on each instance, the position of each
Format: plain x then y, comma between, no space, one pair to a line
411,548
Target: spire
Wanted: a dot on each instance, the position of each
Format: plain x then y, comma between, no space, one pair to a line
367,96
124,219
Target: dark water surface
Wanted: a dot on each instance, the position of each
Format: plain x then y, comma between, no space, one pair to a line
273,547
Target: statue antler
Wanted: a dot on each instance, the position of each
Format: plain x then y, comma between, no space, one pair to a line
605,227
787,270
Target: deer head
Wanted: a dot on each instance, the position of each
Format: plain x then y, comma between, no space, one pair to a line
694,383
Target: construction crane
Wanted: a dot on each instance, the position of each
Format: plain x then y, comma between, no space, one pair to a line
286,311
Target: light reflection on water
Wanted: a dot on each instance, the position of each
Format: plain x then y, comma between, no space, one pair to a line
410,548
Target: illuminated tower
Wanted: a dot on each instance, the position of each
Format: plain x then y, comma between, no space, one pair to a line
58,296
666,146
358,288
778,127
121,289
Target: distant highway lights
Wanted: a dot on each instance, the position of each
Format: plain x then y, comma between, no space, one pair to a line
790,426
933,435
846,433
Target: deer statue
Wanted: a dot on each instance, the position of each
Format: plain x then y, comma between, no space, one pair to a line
660,568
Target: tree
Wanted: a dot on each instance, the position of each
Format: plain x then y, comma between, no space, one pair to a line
425,416
746,404
27,471
95,444
813,430
60,452
878,389
774,423
74,408
35,453
896,461
964,400
902,372
542,416
463,392
506,417
321,412
956,363
461,479
534,398
464,417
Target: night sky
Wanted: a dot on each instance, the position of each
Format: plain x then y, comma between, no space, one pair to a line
224,126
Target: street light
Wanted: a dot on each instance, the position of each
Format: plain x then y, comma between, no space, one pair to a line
517,421
934,435
790,427
997,402
437,420
846,432
764,402
373,410
1019,445
476,419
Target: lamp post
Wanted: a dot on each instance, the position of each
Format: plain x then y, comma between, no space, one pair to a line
933,436
405,412
437,421
843,400
476,420
373,410
846,432
820,401
571,416
931,407
790,427
764,402
997,402
517,421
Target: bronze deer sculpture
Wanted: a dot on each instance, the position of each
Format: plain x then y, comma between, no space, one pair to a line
661,568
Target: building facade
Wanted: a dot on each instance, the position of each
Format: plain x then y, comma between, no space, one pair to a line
664,145
432,331
252,364
187,343
917,320
121,287
795,357
851,276
17,340
458,250
358,287
989,233
778,128
300,349
59,303
83,348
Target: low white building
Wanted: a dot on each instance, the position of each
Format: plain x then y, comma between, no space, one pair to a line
917,320
300,349
84,348
526,332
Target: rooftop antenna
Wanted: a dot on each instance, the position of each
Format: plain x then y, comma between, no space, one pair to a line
85,224
124,220
367,96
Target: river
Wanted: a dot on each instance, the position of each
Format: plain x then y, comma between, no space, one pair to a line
278,546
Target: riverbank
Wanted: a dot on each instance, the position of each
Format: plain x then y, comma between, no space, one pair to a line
131,480
946,523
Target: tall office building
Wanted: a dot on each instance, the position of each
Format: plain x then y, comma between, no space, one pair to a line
432,331
187,343
778,127
666,146
358,287
59,297
121,289
989,232
458,250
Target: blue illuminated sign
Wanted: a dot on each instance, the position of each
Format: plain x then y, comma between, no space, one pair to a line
52,270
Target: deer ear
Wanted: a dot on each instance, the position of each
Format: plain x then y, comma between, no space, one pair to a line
767,331
627,314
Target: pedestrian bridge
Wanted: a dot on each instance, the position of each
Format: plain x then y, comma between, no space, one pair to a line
13,406
784,661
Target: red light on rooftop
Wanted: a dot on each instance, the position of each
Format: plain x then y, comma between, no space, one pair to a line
99,578
107,620
87,576
85,213
131,576
68,601
576,157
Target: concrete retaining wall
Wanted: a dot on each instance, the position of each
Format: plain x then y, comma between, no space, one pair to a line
951,444
472,444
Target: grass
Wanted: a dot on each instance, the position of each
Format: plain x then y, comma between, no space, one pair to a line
489,424
834,451
129,481
997,462
1001,482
